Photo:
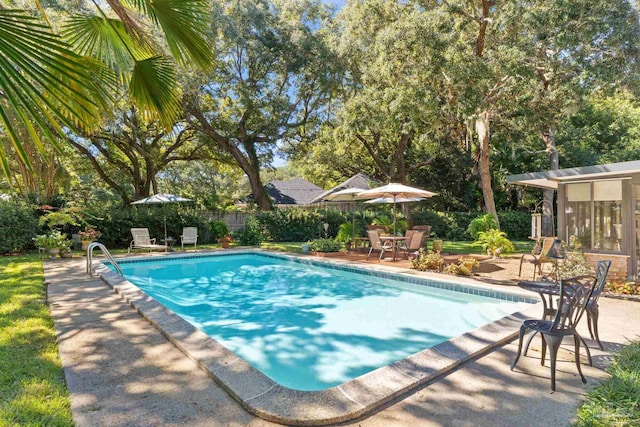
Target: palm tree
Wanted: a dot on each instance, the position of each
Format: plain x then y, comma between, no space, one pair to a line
53,82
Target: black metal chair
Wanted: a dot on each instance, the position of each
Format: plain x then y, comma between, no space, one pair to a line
602,268
574,296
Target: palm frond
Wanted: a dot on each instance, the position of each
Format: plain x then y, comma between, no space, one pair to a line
106,39
185,24
154,90
42,82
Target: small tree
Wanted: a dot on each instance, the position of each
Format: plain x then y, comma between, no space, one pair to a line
494,241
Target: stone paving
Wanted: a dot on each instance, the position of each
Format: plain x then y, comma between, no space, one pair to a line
123,372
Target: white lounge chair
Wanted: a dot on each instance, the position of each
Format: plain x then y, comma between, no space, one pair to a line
141,240
189,237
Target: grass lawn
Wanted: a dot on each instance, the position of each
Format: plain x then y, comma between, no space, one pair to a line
32,387
614,402
464,247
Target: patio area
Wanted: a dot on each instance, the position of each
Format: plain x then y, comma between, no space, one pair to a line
122,371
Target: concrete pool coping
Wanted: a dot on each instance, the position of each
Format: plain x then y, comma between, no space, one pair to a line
263,397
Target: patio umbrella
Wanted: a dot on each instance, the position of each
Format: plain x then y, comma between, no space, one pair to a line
159,199
347,195
395,192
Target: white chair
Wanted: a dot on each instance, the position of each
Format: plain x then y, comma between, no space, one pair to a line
377,245
141,240
189,236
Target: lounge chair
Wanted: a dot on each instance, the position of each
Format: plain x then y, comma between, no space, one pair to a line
189,236
377,245
141,240
539,256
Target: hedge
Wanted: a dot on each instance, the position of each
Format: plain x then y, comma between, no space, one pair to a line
298,225
18,224
454,225
116,223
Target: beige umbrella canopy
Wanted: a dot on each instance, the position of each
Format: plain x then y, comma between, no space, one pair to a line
395,192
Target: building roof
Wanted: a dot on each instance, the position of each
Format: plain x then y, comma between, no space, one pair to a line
359,180
298,191
551,178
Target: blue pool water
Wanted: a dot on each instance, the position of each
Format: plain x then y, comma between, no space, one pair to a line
308,327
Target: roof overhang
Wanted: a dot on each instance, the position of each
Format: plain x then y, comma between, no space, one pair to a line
550,179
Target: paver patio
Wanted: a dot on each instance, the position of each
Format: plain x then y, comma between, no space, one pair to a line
121,371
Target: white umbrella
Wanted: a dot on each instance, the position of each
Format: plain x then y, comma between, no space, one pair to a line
395,192
161,198
347,195
398,200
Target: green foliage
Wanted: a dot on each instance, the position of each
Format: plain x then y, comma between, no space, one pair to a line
218,230
324,245
52,240
614,401
345,232
32,385
18,224
494,242
516,224
116,222
251,234
622,287
59,217
427,260
574,264
481,223
297,225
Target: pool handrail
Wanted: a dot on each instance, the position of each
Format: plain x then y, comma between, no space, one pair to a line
106,253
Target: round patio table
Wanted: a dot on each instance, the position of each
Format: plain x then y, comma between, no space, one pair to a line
546,290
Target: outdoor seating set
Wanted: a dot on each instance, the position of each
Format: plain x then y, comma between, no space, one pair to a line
573,297
410,243
142,240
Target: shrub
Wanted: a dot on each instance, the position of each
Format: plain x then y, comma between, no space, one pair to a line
218,229
481,223
324,245
116,222
18,224
298,225
251,235
494,241
427,260
459,269
516,224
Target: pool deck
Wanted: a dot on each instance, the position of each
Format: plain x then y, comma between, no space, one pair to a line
120,370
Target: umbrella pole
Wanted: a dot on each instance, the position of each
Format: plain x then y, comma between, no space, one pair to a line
165,231
353,226
394,214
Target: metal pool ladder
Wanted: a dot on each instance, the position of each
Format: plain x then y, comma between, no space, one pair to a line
106,253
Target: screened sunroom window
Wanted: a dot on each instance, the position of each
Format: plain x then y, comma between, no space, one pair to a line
607,208
578,214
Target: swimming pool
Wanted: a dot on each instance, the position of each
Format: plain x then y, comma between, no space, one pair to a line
310,325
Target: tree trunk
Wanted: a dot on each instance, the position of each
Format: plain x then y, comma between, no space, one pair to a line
484,142
549,138
259,193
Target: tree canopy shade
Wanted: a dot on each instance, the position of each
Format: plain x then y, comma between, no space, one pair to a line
50,81
270,83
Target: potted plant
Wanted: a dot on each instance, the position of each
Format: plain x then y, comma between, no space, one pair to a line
88,235
345,234
53,242
225,240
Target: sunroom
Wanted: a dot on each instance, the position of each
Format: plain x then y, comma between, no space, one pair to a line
599,208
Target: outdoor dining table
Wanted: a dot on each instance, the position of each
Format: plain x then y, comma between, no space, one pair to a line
547,290
394,240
